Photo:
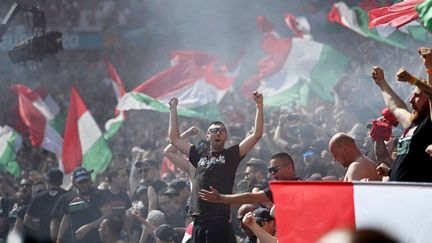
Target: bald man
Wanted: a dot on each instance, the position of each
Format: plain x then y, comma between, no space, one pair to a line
346,152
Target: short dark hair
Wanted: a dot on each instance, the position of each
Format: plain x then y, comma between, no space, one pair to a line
259,165
284,156
216,123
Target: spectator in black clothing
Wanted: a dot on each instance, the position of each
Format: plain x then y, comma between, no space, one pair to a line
216,166
38,215
166,234
256,175
16,215
85,210
412,163
118,198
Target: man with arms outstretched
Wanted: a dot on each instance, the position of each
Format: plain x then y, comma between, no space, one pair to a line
216,166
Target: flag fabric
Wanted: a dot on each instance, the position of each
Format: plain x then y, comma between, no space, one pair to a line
188,233
425,14
356,19
395,15
298,68
315,208
37,115
298,25
114,124
83,144
10,143
194,78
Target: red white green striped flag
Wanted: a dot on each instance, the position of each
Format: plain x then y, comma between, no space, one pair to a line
193,77
357,20
38,116
83,144
311,209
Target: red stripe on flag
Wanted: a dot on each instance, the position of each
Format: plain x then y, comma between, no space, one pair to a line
305,211
396,15
72,153
29,115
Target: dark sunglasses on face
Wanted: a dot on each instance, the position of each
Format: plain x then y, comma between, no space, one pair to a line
275,169
85,181
217,130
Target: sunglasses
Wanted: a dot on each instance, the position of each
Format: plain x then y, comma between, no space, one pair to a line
85,181
217,130
25,185
275,169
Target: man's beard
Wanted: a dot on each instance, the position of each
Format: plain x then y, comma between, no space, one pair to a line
252,182
418,115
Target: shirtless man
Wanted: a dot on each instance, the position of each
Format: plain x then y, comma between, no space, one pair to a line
346,152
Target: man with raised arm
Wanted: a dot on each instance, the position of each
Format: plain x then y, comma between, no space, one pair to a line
216,166
412,162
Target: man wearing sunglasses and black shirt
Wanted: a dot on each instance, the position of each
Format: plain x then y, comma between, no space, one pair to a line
215,166
281,168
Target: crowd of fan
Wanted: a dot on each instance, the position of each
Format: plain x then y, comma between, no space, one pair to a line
156,197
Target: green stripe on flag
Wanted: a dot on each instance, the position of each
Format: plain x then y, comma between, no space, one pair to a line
397,38
8,157
425,14
327,72
98,156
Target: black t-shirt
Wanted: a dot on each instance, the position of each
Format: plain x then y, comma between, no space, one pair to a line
40,207
218,172
83,210
119,203
412,162
263,184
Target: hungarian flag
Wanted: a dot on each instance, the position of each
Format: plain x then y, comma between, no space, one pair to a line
194,78
37,115
356,19
10,143
308,210
114,124
83,144
395,15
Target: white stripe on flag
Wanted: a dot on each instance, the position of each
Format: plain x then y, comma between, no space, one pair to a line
88,130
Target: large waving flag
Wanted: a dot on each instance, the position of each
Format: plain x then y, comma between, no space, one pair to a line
395,15
315,208
114,124
356,19
37,115
83,144
10,143
193,77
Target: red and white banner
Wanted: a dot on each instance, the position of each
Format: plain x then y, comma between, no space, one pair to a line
305,211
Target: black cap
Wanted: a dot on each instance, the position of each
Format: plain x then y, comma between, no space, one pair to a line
165,232
147,161
81,173
262,214
54,176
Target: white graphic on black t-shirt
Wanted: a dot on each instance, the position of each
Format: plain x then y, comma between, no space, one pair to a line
209,163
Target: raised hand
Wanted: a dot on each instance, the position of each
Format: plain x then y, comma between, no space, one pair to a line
378,75
426,55
209,196
249,219
258,97
173,103
404,76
